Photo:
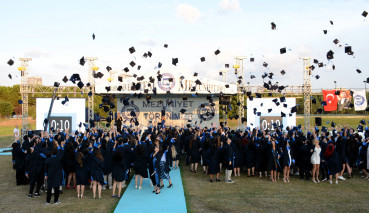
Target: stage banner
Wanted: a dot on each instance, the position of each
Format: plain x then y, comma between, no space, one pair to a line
344,99
360,100
331,99
195,110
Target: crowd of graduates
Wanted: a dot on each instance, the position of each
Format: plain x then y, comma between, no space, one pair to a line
104,158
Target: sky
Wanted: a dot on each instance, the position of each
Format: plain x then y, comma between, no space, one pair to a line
56,34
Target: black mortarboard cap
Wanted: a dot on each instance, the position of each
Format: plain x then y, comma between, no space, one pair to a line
333,124
319,110
293,109
282,50
363,122
331,22
183,111
269,110
159,65
10,62
90,94
80,84
226,86
65,79
126,69
265,64
285,105
220,73
56,84
252,59
336,41
337,92
348,49
174,61
133,113
274,26
166,45
119,88
184,98
364,13
108,68
317,77
132,63
283,114
93,36
10,76
149,54
217,52
282,99
195,74
226,65
320,64
107,88
202,59
120,78
313,101
325,31
82,61
283,72
131,50
358,71
316,61
330,54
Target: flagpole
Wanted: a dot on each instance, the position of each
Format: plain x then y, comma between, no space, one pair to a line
335,89
365,95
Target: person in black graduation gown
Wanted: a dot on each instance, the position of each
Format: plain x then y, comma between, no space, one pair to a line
81,172
19,155
154,168
34,169
213,159
140,165
97,174
53,172
106,151
333,162
118,170
70,164
250,157
195,152
272,158
238,157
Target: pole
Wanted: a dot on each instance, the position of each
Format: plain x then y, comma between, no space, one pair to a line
335,88
51,107
365,97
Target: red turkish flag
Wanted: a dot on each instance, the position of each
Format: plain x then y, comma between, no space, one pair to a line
331,99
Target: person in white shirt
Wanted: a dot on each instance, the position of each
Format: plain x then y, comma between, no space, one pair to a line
16,133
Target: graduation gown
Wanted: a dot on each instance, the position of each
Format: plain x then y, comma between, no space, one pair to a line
54,169
82,172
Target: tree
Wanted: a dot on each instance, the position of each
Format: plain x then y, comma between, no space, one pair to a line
6,108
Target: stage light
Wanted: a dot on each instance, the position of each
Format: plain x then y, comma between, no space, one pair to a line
21,68
95,68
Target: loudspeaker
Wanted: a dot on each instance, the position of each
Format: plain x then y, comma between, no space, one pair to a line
318,121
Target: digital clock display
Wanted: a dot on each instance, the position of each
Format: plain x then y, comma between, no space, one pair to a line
266,122
60,122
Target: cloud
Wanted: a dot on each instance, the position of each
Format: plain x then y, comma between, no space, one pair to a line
225,6
36,54
148,42
188,13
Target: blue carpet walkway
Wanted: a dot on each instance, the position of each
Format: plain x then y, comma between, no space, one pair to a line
169,200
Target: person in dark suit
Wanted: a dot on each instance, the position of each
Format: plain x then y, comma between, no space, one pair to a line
53,172
229,155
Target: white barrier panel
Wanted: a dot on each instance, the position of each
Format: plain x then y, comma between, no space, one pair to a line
62,116
151,111
266,119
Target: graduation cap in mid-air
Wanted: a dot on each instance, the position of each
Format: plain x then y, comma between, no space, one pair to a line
364,13
131,50
331,22
175,61
183,111
202,59
108,68
65,79
149,54
274,26
252,59
10,76
195,74
56,84
217,52
336,41
265,64
126,69
325,31
10,62
320,64
166,45
80,84
330,54
282,50
358,71
66,99
283,72
82,61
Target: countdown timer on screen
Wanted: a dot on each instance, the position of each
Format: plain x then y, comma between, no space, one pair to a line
60,122
266,122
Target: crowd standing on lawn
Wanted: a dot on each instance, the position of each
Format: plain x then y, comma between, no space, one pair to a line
102,158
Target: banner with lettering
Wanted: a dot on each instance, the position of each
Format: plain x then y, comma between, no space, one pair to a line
360,100
178,112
